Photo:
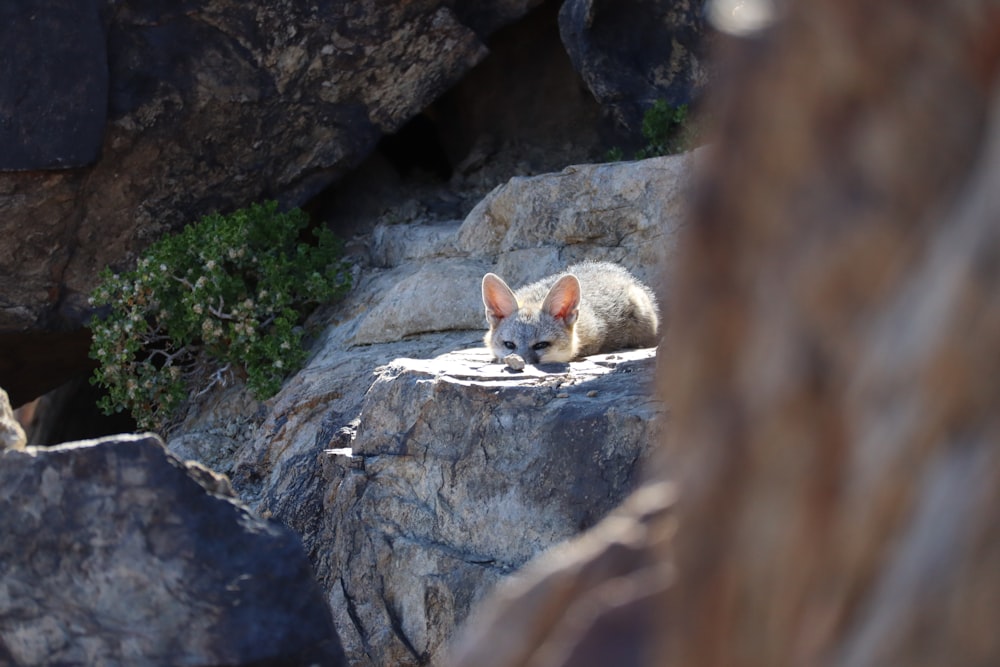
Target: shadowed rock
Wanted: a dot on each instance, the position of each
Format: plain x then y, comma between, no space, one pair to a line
54,97
631,54
116,552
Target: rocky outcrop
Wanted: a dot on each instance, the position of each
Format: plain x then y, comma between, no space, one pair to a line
460,472
631,54
208,107
416,495
452,471
137,118
116,552
831,372
418,296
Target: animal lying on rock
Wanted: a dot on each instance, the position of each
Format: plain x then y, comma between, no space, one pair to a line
591,308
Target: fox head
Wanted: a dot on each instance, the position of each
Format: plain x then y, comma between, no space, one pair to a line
539,333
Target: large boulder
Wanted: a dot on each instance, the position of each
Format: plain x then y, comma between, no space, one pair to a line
631,54
116,552
211,108
460,472
625,212
417,488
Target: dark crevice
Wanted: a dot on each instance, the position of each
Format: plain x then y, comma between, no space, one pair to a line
417,148
352,613
395,622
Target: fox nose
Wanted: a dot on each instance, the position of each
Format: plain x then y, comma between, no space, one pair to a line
531,357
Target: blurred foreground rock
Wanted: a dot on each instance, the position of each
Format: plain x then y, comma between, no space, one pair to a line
115,552
831,370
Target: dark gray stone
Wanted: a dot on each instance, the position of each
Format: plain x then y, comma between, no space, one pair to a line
116,552
632,53
53,84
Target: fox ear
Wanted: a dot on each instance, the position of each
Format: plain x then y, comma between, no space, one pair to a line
563,300
499,300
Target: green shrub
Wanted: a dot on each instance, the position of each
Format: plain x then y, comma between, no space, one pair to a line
666,130
614,154
663,129
225,297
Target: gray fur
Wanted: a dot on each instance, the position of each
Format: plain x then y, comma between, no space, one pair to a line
614,311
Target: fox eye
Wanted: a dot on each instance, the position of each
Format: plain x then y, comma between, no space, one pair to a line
541,346
510,345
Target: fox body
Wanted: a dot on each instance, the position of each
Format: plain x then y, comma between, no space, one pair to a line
592,307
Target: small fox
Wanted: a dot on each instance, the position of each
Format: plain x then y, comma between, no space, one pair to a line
592,307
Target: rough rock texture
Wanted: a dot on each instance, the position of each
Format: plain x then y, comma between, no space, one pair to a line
627,212
846,361
11,434
633,53
408,533
831,368
462,471
115,552
54,97
210,106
